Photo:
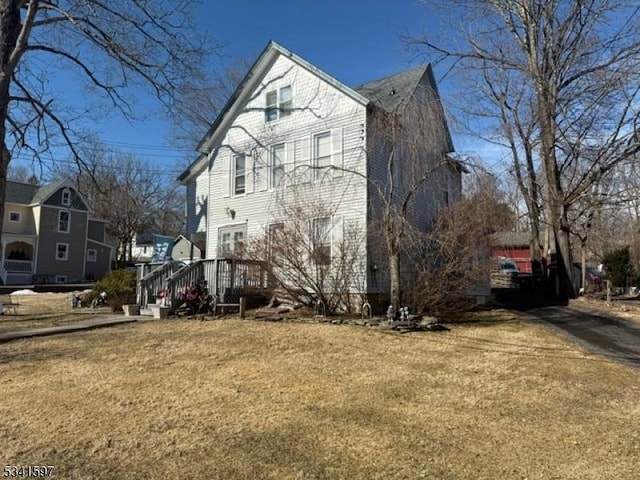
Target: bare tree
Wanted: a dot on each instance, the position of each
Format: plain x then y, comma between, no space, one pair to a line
132,195
315,256
452,259
415,179
202,99
113,49
579,62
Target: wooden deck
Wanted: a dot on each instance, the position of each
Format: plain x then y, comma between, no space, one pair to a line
228,278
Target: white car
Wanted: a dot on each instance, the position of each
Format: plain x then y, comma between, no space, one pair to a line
508,266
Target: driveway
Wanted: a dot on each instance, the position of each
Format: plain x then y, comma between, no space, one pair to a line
611,337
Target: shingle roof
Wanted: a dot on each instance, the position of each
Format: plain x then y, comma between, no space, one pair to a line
390,92
21,193
511,239
26,194
46,191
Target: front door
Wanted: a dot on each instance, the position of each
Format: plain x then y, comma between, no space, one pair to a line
231,240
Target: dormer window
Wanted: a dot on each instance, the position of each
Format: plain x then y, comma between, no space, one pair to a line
66,197
279,104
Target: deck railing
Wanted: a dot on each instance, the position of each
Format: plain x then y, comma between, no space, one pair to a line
18,266
228,278
152,279
183,278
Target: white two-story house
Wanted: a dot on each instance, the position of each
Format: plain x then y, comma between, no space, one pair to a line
294,142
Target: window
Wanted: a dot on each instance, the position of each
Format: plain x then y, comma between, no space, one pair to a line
285,105
277,165
61,279
14,217
231,240
279,104
276,231
63,221
321,154
271,112
239,174
238,242
322,241
225,243
62,251
92,255
66,197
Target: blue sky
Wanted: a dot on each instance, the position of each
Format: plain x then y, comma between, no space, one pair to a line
353,41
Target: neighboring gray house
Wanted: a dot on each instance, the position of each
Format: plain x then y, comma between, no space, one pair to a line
50,236
286,122
186,250
183,249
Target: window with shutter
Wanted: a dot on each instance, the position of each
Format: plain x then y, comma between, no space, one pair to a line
239,174
321,154
277,165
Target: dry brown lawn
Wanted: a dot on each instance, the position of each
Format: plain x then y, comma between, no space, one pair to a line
497,399
44,310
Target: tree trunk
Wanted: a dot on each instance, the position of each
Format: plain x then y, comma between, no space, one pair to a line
555,195
9,29
394,278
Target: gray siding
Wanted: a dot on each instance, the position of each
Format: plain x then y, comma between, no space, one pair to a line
96,230
96,270
418,152
75,201
47,263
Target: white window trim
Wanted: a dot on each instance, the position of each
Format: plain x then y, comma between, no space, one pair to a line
66,201
278,105
329,240
66,256
92,258
317,173
232,231
271,176
19,217
234,177
60,212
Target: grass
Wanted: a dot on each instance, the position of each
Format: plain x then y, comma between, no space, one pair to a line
44,310
628,310
232,399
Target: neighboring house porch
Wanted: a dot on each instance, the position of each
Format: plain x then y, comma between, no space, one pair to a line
18,256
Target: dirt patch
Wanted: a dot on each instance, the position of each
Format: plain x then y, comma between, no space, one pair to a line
245,399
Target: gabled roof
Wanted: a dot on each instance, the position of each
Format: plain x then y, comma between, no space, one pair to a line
46,191
199,239
511,239
246,87
21,193
26,194
255,74
393,92
389,93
